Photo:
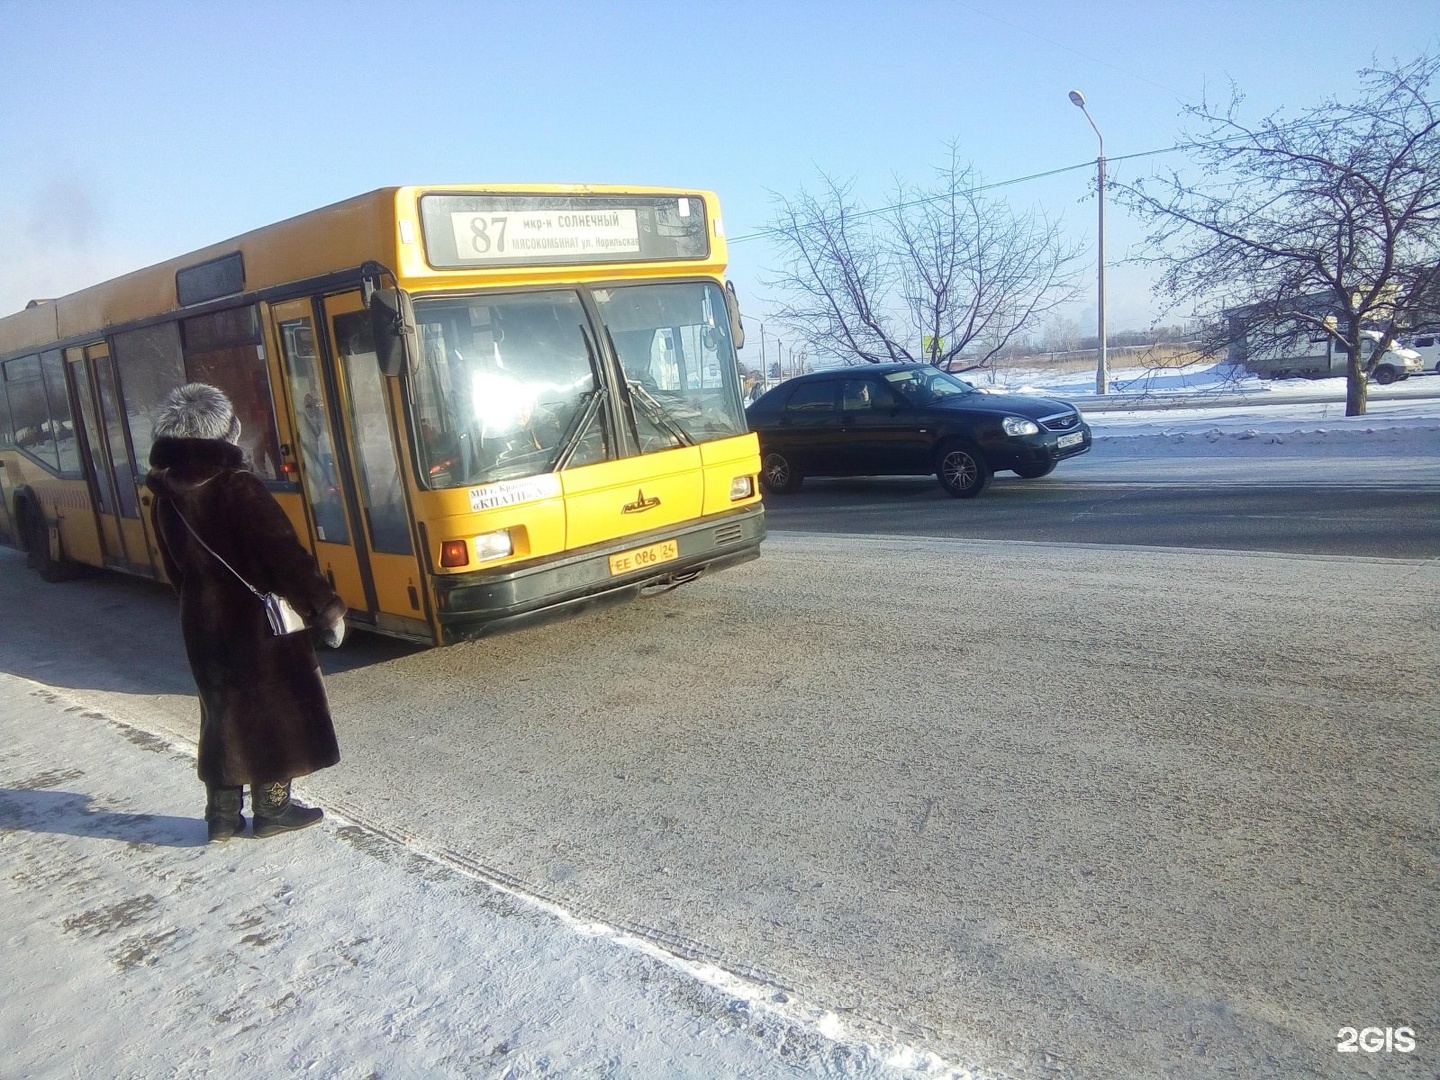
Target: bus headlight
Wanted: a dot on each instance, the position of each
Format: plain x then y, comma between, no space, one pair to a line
742,487
1018,425
495,545
487,546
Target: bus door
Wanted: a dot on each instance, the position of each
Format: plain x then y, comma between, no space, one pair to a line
370,435
328,497
98,469
123,535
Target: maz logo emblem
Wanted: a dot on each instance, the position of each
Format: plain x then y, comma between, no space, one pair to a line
640,505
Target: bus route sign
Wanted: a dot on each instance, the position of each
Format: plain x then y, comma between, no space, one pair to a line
475,230
524,235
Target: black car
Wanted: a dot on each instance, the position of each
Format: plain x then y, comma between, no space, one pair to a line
907,419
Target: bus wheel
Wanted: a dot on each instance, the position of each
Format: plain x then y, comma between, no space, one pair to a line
37,545
1385,374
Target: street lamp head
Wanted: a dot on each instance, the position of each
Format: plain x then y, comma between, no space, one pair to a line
1077,99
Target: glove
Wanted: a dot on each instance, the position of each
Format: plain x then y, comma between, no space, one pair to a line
333,634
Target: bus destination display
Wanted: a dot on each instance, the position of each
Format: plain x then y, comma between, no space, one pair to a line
464,231
525,234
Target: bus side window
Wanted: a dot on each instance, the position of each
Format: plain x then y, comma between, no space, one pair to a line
26,390
62,423
7,428
225,350
150,366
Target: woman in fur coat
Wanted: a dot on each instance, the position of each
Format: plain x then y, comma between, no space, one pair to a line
264,718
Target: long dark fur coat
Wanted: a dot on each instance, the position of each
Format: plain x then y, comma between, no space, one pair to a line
263,712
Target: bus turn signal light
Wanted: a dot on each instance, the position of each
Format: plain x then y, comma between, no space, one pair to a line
455,553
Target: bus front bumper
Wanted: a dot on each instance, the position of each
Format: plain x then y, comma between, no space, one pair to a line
508,598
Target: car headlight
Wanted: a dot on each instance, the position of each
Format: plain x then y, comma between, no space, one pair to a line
1018,425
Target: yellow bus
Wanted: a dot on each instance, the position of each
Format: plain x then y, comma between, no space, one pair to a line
481,405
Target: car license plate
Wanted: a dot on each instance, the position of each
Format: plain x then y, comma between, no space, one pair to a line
640,558
1070,440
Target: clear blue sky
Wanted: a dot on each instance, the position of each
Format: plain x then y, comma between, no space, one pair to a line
138,130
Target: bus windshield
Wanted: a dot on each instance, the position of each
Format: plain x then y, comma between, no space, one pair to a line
508,387
673,342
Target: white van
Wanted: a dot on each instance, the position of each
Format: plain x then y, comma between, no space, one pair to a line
1398,362
1321,358
1428,346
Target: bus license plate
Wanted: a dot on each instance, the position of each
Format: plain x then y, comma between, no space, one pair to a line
1070,440
640,558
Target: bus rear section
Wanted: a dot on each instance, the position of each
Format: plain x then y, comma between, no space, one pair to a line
576,445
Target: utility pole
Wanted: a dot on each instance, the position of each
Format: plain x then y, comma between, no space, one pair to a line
1102,366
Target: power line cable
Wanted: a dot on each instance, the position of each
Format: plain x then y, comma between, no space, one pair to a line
760,234
1298,126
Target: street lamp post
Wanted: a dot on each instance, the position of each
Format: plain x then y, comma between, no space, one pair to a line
1102,366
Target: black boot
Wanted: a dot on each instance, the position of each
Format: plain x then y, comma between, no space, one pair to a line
222,812
275,813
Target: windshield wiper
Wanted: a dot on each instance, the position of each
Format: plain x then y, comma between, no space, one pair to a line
659,415
580,426
578,429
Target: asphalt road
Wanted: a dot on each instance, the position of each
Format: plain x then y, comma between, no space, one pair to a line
1043,810
1391,521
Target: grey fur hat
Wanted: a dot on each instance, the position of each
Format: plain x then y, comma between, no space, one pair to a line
196,411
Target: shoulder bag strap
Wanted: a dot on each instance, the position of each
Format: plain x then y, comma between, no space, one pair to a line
212,551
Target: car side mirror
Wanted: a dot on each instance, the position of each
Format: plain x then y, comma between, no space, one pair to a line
392,323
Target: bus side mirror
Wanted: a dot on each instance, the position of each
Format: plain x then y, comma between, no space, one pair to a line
392,322
732,307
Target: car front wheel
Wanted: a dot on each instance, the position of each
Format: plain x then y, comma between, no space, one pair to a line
962,470
1385,374
778,474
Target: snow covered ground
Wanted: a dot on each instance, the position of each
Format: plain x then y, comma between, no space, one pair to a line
131,948
1207,424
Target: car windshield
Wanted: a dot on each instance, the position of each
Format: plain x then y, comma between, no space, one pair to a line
924,385
1402,351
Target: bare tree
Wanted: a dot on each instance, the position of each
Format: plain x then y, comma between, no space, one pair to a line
1061,334
944,274
1320,227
